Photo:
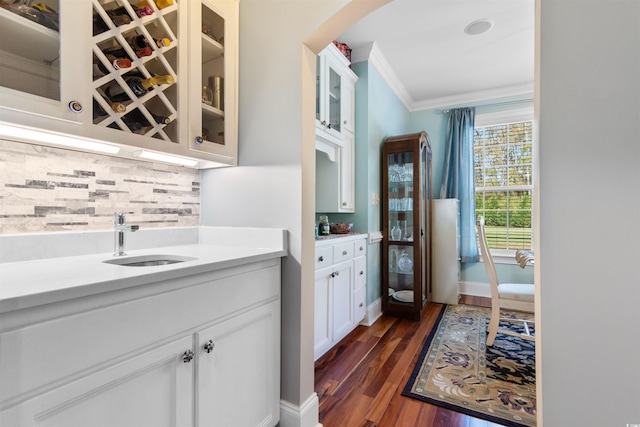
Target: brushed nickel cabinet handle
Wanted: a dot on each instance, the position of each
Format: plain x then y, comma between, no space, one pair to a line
187,356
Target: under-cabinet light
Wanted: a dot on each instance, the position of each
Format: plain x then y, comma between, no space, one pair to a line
152,155
26,134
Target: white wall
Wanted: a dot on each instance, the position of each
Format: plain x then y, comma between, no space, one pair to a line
588,252
274,185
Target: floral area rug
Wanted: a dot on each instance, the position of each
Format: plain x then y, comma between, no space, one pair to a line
458,371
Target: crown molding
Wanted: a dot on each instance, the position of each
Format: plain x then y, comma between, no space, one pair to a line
371,53
473,97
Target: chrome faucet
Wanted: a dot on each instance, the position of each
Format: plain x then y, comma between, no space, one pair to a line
119,219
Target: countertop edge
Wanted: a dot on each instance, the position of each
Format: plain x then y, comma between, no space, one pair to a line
130,277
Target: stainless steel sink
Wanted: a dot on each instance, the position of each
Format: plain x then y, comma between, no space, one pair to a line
148,260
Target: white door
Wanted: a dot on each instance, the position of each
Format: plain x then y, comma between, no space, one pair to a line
341,299
238,373
322,336
152,389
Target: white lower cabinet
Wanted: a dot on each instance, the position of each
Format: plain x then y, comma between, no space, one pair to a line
196,351
151,389
237,360
340,290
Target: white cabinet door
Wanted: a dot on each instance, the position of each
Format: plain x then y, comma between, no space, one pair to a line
154,389
237,376
347,175
341,297
213,79
39,65
323,325
349,102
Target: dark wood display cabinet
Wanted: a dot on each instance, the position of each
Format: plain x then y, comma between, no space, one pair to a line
406,224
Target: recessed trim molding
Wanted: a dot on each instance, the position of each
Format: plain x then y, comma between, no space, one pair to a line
371,53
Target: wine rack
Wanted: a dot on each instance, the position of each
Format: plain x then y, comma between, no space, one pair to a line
151,61
153,113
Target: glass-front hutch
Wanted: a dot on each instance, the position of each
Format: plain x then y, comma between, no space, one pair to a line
406,224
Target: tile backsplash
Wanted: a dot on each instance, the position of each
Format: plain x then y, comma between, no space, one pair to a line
46,189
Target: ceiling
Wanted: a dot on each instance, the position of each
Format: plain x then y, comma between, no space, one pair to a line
423,53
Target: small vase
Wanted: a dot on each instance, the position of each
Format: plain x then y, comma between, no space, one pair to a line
396,233
404,263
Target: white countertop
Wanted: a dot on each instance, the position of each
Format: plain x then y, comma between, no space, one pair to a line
333,239
32,282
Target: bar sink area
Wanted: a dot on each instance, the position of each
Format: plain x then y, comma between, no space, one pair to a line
147,260
201,300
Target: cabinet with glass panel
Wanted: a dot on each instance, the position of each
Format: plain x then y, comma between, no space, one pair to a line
406,224
137,96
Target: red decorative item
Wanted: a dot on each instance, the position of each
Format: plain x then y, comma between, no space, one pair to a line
344,49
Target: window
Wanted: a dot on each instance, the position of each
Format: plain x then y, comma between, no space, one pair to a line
503,169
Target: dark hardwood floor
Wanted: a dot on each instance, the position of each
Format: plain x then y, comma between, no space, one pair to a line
359,381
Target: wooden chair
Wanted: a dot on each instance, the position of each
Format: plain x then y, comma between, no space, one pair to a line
510,296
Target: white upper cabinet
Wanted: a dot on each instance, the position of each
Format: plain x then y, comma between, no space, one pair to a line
213,81
123,72
334,81
335,127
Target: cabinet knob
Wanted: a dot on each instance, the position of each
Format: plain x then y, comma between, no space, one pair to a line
361,272
321,258
345,122
361,248
199,140
328,125
187,356
208,347
344,252
344,203
337,273
75,106
361,304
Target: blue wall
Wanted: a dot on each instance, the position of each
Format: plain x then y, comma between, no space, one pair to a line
380,114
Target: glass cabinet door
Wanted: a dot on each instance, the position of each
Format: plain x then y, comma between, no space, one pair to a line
213,28
329,92
406,253
335,100
401,257
30,46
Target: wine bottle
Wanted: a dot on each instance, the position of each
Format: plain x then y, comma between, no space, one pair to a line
98,111
136,122
119,63
162,120
100,26
163,3
99,69
160,3
138,86
140,45
163,42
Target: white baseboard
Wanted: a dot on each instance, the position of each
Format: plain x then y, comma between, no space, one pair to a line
305,415
477,289
374,311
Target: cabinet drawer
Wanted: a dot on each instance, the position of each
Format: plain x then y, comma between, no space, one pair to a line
360,272
324,256
343,252
360,247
